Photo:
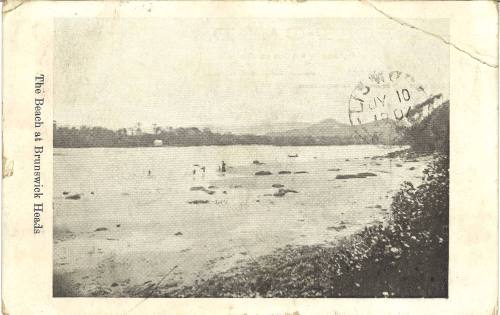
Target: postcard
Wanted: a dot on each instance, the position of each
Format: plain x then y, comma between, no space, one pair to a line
250,157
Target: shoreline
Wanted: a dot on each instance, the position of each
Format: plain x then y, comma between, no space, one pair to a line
100,275
242,144
404,258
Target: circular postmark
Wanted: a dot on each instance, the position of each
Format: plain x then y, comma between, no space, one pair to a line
390,95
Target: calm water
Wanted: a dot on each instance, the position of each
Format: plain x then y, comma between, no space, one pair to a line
143,213
123,191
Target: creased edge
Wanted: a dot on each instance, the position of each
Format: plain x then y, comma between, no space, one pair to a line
11,5
437,36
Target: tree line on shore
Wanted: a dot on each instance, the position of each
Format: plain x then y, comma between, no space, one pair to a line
86,137
425,136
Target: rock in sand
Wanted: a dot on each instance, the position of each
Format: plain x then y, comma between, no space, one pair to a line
195,202
201,188
261,173
74,197
282,191
359,175
195,188
367,174
336,228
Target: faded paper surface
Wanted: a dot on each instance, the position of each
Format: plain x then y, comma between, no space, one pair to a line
56,38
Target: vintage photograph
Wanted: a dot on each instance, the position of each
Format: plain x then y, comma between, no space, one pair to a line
250,157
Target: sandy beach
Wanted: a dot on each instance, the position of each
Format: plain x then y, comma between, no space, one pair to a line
119,228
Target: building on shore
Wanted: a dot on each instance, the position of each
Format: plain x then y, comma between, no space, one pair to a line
157,143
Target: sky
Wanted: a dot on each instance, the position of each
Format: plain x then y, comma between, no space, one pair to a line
223,71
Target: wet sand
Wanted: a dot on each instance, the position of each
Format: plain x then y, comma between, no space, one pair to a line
118,240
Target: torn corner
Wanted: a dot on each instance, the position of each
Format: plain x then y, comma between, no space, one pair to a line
11,5
7,167
4,309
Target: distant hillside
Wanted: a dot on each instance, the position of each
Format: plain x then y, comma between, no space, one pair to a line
260,129
324,128
425,134
382,131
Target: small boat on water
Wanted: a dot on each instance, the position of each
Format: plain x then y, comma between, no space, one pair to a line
293,156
